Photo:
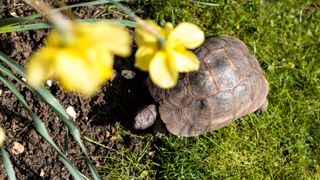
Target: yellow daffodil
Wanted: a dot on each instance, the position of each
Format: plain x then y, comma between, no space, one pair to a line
81,62
165,59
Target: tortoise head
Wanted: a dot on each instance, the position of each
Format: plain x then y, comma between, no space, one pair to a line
145,117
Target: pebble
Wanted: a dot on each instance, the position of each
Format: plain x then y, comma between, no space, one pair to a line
108,134
17,148
42,173
113,138
2,136
128,74
71,112
151,153
49,82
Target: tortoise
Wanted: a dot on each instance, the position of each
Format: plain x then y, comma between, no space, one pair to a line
228,85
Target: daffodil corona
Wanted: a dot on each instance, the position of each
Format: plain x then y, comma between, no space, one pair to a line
83,61
167,55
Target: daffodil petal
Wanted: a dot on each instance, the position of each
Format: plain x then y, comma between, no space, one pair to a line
168,29
101,63
75,74
144,37
143,57
185,61
162,71
112,37
188,35
40,67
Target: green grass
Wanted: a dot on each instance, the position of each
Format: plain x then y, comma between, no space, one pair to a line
283,143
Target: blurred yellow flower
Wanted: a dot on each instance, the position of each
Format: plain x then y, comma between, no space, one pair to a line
164,60
83,61
2,136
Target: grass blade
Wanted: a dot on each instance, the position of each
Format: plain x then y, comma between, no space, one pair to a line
40,127
7,163
204,3
56,107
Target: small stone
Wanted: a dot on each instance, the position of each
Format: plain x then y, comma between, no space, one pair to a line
113,75
2,136
151,153
49,82
41,173
107,134
14,14
128,74
113,138
17,148
97,164
24,79
71,112
14,126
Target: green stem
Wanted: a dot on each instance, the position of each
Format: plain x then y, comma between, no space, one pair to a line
63,25
141,22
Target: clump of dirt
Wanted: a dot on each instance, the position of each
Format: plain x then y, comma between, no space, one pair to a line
117,101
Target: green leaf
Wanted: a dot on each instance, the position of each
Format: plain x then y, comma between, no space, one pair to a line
12,64
7,164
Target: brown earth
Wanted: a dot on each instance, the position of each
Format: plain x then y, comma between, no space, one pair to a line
96,117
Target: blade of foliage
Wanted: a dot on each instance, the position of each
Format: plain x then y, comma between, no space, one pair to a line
59,110
16,28
56,107
40,127
7,164
66,141
11,63
10,74
204,3
13,21
41,25
10,21
122,22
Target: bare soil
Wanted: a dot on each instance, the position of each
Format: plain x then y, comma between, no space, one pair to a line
117,101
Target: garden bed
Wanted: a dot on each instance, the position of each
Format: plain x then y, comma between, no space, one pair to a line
283,143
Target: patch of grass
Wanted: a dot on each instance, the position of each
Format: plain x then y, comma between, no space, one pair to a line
282,143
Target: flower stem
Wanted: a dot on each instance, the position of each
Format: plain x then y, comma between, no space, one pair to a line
55,18
140,22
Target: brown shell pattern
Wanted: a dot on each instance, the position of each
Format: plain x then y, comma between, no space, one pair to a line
228,85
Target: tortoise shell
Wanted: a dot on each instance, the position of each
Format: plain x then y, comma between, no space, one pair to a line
228,85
